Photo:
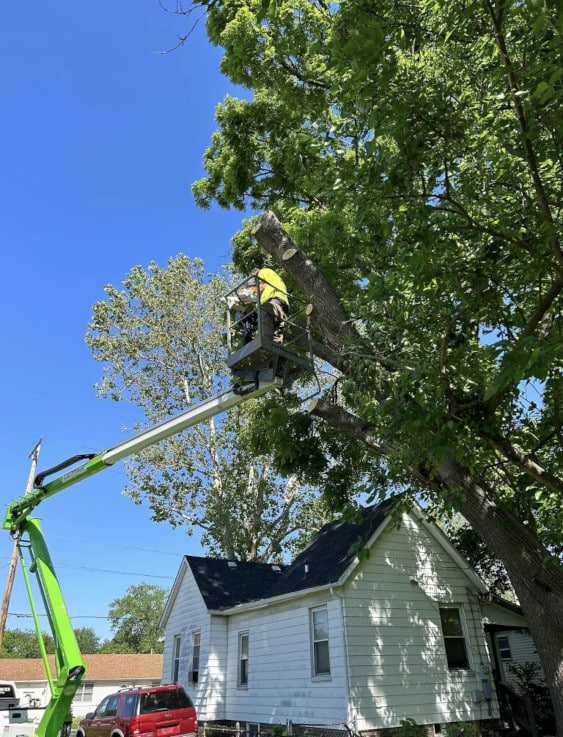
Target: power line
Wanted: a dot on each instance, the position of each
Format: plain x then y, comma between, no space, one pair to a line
121,573
116,545
23,615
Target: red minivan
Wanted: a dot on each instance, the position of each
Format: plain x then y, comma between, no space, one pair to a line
154,711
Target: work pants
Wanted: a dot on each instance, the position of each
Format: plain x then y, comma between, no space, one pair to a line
273,315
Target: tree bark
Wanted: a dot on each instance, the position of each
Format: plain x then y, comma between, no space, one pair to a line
536,576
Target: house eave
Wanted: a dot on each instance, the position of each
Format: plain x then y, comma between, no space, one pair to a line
271,601
505,604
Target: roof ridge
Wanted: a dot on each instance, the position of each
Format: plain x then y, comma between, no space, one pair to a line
236,561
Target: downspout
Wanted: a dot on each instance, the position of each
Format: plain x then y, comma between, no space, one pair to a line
349,716
484,670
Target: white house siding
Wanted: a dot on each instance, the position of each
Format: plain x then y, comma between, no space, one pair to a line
189,613
397,660
522,647
280,681
215,677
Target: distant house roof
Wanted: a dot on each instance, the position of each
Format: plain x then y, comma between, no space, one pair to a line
98,668
224,584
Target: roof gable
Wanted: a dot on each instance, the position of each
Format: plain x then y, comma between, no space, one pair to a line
176,586
327,561
332,551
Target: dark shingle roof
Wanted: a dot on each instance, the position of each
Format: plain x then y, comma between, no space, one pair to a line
323,562
331,552
224,583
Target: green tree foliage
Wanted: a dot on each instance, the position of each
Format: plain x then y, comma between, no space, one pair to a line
413,153
160,338
24,644
135,620
88,640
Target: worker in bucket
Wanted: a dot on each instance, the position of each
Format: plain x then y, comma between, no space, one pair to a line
274,304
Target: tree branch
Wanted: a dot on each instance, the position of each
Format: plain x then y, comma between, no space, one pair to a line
539,313
524,463
332,323
329,318
541,196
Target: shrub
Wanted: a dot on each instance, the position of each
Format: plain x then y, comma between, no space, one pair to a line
462,729
409,728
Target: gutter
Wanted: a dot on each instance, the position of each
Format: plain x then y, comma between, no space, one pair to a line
265,603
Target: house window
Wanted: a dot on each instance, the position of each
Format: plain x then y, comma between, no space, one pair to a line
243,659
454,638
84,693
504,648
176,658
193,676
319,641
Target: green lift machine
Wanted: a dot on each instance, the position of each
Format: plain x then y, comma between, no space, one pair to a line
257,367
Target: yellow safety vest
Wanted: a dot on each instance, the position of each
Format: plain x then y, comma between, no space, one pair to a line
273,286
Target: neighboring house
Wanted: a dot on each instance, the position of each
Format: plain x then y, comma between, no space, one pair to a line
519,677
510,643
515,647
104,675
337,638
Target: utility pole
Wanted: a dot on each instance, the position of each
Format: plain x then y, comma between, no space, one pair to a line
34,455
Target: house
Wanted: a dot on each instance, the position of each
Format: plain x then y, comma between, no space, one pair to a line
518,675
510,643
104,675
373,623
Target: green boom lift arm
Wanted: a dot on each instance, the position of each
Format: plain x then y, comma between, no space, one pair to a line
258,366
26,530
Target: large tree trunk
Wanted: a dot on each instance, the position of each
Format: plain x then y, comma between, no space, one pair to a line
536,576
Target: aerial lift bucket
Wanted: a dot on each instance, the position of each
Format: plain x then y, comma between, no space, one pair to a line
251,357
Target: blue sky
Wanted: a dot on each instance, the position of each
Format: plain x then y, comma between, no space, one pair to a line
101,139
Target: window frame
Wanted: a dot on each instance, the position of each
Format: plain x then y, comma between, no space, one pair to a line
84,693
193,674
316,642
243,659
504,647
176,650
449,638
